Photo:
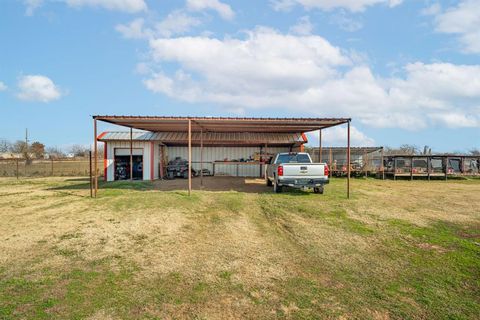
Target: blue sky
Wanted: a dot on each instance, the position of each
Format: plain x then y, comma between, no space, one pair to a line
404,71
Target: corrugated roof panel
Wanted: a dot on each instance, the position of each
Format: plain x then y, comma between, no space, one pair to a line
208,137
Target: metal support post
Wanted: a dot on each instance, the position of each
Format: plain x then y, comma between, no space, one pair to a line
95,150
131,154
320,145
201,156
91,182
330,163
189,157
348,160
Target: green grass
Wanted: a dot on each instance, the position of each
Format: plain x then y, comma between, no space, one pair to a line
382,254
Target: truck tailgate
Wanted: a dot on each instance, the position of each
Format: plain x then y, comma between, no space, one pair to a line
303,169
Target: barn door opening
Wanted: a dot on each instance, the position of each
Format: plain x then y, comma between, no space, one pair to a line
122,164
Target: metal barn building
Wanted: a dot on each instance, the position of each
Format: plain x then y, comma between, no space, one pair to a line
210,145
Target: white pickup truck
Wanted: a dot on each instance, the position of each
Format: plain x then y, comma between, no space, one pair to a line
296,170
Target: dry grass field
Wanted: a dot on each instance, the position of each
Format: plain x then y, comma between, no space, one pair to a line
396,250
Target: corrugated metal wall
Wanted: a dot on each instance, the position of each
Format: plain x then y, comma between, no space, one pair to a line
211,154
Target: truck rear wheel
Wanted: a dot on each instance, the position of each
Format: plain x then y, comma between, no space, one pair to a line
277,188
269,183
318,190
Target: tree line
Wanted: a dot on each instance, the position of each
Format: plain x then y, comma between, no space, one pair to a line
38,150
409,149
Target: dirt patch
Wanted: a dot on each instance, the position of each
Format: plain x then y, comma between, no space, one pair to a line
217,183
429,246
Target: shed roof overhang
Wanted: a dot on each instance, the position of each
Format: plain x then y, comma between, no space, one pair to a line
209,138
223,124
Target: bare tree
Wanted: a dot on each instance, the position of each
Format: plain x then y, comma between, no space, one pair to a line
79,150
55,152
100,150
475,152
20,147
409,149
427,150
404,149
5,145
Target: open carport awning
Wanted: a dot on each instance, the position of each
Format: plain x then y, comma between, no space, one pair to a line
223,124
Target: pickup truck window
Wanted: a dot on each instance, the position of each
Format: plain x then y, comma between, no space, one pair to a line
293,158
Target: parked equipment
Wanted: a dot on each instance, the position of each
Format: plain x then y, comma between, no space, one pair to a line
178,168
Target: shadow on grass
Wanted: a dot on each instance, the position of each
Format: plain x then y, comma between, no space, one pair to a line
124,185
86,179
213,184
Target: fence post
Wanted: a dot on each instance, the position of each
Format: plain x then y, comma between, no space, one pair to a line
17,168
429,165
383,165
411,168
446,169
52,166
366,164
91,185
394,168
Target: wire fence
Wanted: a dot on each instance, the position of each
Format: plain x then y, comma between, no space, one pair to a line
46,168
362,162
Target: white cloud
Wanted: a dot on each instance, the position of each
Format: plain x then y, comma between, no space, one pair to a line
345,22
432,10
303,27
134,30
31,6
128,6
308,75
464,21
351,5
224,10
337,136
3,86
176,22
160,83
455,120
38,88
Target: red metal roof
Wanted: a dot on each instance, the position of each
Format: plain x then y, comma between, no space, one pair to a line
209,138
